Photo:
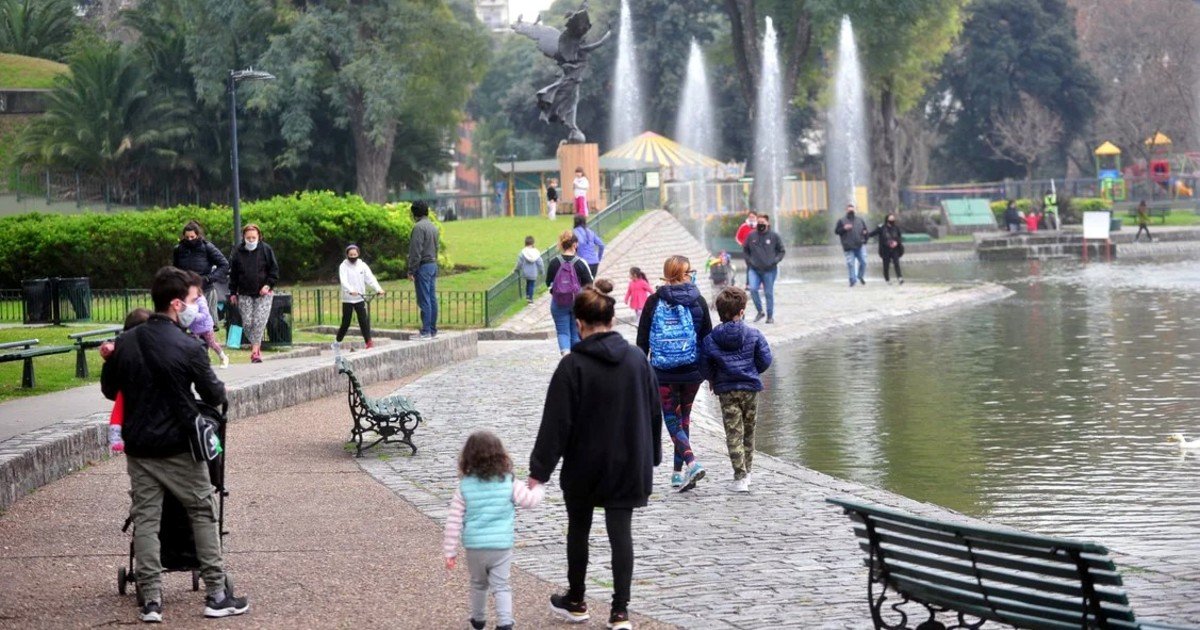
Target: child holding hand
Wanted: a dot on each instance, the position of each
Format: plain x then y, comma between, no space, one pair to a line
116,419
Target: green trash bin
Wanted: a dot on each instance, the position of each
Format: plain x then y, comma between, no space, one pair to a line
1114,225
279,323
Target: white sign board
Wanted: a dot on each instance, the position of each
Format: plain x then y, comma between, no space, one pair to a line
1096,225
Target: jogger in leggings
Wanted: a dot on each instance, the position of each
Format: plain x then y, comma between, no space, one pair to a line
603,420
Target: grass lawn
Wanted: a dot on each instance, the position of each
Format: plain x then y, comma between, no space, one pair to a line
1177,218
19,72
57,371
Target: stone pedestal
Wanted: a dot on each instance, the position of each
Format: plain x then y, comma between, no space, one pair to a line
587,157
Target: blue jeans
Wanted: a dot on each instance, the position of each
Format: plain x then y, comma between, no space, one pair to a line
564,325
529,289
856,263
426,284
766,279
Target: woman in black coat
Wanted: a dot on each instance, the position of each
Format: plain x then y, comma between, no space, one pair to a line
252,277
891,246
602,418
194,253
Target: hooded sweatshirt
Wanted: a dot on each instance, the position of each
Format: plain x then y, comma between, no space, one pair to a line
688,295
603,419
356,277
591,246
733,356
529,263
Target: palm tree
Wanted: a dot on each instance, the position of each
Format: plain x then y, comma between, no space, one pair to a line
36,28
102,118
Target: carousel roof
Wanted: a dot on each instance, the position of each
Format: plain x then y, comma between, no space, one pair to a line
661,151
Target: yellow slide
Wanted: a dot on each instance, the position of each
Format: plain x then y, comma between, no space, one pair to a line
1182,189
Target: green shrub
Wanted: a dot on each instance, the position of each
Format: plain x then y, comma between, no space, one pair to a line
813,229
998,208
308,232
725,225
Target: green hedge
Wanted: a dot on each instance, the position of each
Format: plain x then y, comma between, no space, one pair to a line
1070,210
308,232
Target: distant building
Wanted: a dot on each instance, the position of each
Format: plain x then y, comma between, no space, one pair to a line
493,14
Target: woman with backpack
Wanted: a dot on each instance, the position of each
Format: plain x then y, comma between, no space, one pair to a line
566,275
674,322
591,247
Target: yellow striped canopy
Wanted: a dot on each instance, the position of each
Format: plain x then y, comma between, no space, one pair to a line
655,149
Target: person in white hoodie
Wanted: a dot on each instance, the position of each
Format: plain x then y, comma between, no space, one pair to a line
355,277
530,266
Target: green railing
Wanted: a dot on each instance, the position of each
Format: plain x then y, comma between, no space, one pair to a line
323,306
509,292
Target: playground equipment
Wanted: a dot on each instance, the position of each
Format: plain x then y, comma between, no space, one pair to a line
1167,169
1108,166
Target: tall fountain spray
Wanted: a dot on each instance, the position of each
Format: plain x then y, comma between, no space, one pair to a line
696,128
695,125
846,152
628,119
770,129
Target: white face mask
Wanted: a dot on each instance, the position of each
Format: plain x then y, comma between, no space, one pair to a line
189,314
251,245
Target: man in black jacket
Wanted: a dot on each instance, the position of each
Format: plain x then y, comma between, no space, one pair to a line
154,367
852,230
199,256
764,251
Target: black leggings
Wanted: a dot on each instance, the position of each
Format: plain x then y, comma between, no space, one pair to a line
364,320
893,258
1143,228
618,521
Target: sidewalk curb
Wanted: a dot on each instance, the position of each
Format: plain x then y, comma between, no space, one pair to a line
34,459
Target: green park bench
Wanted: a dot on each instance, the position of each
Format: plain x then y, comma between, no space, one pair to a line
917,237
87,340
1155,209
985,574
967,215
25,351
387,417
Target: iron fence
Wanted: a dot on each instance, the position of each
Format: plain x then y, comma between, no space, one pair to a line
58,188
456,309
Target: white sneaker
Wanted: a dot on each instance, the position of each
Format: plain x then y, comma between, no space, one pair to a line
739,485
224,361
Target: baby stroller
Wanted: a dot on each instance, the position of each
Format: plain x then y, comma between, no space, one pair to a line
176,543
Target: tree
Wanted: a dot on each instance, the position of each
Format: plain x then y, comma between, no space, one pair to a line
102,118
1009,47
903,46
794,24
378,64
36,28
1024,134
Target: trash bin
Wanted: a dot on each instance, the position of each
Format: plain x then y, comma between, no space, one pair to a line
279,323
74,299
1114,225
38,296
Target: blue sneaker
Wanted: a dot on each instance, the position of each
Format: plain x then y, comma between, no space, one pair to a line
676,480
694,473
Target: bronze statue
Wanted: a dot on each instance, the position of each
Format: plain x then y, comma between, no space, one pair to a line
559,100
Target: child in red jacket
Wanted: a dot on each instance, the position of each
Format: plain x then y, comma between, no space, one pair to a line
116,419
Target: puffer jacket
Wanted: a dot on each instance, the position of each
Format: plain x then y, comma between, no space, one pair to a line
688,295
202,257
733,356
853,232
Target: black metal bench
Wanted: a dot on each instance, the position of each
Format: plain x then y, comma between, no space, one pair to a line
983,574
83,343
25,351
393,418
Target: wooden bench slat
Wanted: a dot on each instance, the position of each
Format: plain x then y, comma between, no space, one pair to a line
19,344
958,529
1100,576
1028,616
1043,549
1026,580
111,330
36,351
1001,594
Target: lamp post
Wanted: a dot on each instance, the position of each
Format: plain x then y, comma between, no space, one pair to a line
512,184
249,74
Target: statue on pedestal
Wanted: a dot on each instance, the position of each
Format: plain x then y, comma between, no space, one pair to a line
559,100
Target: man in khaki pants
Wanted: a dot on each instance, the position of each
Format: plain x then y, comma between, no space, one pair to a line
155,366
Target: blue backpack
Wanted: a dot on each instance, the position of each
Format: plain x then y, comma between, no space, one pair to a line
672,336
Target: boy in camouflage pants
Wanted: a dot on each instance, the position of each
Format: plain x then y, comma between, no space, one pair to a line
732,358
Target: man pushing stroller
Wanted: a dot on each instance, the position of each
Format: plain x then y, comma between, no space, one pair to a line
154,366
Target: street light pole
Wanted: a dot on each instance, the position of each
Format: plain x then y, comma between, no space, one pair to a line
249,74
512,185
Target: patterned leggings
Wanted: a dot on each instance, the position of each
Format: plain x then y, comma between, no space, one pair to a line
677,401
255,310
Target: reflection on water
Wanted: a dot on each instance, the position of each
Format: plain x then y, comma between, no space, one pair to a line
1047,411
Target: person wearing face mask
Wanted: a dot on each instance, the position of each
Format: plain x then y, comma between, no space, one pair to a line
891,246
154,367
853,232
252,278
355,277
195,254
764,251
746,228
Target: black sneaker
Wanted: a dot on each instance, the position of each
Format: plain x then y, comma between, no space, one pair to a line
227,607
478,625
760,317
573,612
619,620
150,612
508,627
770,320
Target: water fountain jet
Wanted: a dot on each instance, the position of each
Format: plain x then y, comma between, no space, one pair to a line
846,147
628,116
770,128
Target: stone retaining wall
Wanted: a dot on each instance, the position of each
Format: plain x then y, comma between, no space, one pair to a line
36,458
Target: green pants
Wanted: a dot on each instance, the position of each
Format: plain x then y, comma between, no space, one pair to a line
739,410
187,480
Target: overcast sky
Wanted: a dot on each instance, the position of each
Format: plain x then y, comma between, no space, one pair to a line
528,8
